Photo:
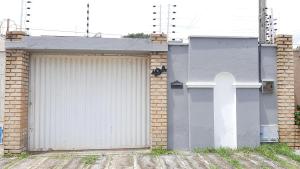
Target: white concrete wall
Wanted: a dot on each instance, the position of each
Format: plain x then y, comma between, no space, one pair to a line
2,77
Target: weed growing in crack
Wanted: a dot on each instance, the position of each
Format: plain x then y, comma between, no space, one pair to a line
161,151
89,160
23,155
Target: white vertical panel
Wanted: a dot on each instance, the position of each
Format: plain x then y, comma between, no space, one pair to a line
225,131
2,77
88,102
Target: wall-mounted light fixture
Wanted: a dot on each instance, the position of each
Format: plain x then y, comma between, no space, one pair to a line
159,71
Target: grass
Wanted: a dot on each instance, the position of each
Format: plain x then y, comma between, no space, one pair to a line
161,151
89,160
269,151
17,157
205,150
212,166
20,156
283,149
23,155
225,153
9,155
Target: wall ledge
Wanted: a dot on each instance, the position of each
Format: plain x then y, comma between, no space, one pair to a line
193,85
241,85
247,85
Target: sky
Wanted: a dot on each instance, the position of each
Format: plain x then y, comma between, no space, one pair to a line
113,18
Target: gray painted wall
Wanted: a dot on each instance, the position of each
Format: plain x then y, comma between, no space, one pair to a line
191,112
201,117
178,120
268,104
210,56
248,124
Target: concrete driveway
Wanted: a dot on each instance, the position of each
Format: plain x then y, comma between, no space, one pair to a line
135,159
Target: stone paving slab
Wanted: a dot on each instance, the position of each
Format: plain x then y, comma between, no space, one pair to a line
137,160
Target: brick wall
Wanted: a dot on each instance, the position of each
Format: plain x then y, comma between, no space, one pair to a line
158,96
288,131
16,100
15,35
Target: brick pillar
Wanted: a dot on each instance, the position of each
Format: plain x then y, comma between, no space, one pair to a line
285,90
158,96
15,35
16,100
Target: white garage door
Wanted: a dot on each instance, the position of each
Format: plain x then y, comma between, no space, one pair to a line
88,102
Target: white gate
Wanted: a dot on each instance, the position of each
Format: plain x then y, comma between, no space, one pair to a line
88,102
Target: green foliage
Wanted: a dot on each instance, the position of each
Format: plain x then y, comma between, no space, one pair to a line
161,151
297,117
227,154
9,155
212,166
89,160
23,155
204,150
270,151
20,156
137,35
283,149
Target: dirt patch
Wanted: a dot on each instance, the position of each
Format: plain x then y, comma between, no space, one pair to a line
7,161
122,162
26,163
188,162
149,162
196,161
101,163
217,161
264,162
170,161
291,162
74,163
51,163
245,161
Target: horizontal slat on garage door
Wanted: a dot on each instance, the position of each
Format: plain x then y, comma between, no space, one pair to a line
88,102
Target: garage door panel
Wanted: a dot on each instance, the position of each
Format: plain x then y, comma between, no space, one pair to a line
88,102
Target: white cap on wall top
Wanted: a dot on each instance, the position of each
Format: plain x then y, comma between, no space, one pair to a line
2,44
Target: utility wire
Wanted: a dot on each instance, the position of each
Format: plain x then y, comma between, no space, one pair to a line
69,31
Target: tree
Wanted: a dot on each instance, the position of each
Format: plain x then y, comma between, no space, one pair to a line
137,35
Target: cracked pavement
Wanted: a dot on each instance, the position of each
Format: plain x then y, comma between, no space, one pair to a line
136,160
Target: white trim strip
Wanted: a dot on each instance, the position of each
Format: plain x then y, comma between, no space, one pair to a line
241,85
2,45
200,85
247,85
